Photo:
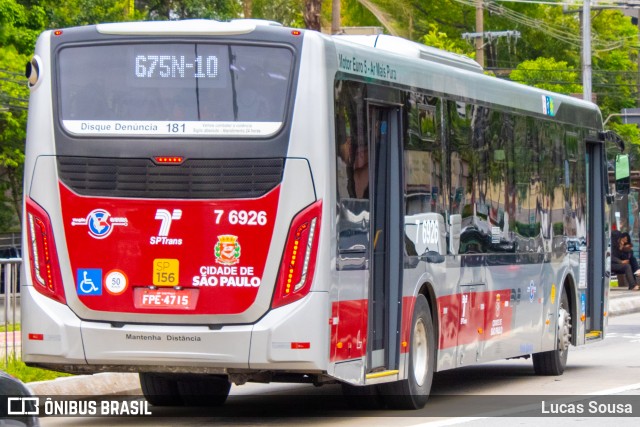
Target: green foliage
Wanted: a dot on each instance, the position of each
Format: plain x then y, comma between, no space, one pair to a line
631,135
441,40
549,74
184,9
9,327
72,13
286,12
354,14
19,28
546,55
18,369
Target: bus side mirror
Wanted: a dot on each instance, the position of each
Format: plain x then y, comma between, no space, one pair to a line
623,174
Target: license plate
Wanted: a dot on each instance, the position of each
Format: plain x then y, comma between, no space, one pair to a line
178,299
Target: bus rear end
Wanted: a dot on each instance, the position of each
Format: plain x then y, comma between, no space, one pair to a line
167,228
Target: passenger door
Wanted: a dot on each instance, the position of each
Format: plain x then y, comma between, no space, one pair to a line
385,287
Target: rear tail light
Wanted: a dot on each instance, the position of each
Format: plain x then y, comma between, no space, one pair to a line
299,259
45,270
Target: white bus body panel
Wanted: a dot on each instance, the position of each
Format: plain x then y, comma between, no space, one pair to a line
60,329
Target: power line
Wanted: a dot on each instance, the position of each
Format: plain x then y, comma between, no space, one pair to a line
618,4
15,73
558,33
576,70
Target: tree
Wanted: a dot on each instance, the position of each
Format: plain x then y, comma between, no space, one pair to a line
247,7
286,12
72,13
441,40
546,31
549,74
19,28
185,9
311,14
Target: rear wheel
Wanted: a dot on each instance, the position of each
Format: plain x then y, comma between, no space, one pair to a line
413,392
553,362
160,390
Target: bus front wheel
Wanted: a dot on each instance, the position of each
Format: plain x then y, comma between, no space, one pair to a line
413,392
553,362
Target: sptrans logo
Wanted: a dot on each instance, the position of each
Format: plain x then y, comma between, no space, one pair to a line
100,223
166,219
227,250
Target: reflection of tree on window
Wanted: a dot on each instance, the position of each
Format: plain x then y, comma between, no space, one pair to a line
352,170
423,165
351,143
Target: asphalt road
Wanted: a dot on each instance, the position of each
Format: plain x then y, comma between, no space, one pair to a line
474,395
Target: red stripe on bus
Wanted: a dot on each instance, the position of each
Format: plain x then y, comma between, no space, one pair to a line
462,319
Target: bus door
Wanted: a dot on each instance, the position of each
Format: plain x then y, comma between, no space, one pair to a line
385,287
592,299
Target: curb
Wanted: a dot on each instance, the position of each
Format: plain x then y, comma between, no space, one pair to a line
621,301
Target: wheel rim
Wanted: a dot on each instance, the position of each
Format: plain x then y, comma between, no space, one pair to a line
420,354
564,330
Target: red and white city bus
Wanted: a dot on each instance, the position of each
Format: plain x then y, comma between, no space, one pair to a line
210,203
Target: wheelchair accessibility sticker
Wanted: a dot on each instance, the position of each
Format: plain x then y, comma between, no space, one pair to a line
89,281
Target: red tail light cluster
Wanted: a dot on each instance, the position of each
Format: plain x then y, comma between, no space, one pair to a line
45,270
299,258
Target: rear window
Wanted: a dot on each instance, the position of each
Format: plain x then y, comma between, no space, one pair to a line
189,89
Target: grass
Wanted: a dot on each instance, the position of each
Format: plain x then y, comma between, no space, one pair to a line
18,369
10,327
26,374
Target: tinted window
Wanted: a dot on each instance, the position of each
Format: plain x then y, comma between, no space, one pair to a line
352,167
169,89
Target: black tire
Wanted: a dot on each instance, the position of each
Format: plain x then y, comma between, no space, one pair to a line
554,362
160,390
413,392
203,390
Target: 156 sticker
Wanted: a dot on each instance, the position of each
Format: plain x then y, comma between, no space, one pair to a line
166,272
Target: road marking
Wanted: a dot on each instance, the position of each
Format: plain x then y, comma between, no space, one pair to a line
616,390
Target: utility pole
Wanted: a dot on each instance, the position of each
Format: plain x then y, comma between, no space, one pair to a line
335,17
490,36
479,31
586,50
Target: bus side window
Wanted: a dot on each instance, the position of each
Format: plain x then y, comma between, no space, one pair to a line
352,169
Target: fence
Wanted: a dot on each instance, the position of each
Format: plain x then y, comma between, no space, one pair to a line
10,294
